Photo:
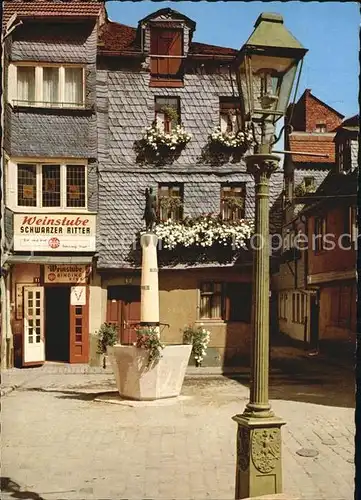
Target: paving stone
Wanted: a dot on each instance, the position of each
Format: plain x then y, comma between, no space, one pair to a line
90,450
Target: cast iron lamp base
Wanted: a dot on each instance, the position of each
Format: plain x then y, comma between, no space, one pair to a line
259,461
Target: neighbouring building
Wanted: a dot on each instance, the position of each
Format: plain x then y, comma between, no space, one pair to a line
50,173
158,72
331,262
313,130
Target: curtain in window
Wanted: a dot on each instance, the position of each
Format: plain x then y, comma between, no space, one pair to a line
50,85
26,84
74,86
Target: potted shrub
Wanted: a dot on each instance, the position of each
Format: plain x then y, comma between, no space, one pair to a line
107,337
199,338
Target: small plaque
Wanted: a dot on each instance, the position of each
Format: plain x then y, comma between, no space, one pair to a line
153,270
145,287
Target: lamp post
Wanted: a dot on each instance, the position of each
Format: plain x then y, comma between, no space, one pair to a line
267,67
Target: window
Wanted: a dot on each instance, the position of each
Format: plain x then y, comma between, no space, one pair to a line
321,128
344,156
27,185
298,307
233,198
319,233
230,114
166,53
282,306
170,200
49,86
75,186
53,186
26,85
309,183
167,112
211,301
226,301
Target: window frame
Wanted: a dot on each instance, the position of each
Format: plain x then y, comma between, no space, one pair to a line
39,186
242,211
225,301
321,125
230,103
167,124
39,87
169,187
320,224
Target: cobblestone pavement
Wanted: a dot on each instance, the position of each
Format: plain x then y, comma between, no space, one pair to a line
58,443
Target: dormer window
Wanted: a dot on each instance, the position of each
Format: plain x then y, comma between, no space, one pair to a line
230,114
321,128
166,56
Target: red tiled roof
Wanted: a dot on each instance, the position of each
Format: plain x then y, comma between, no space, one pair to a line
312,143
51,8
116,37
203,48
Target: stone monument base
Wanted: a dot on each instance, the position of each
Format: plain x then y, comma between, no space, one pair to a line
135,381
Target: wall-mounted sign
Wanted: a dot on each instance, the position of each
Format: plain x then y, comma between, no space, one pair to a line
54,232
78,296
64,273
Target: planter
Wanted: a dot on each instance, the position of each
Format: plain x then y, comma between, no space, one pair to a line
162,380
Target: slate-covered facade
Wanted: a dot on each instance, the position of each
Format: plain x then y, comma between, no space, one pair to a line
50,174
127,93
80,91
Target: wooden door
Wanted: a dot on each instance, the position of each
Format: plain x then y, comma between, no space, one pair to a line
130,319
79,332
33,338
114,315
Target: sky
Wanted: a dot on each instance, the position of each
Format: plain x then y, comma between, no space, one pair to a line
330,30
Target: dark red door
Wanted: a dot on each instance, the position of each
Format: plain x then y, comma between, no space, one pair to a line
130,319
79,331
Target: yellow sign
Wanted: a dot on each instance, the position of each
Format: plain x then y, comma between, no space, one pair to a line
64,273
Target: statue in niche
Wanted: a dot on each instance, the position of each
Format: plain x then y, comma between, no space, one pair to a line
150,211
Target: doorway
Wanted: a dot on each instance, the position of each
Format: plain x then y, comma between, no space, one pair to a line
123,311
57,323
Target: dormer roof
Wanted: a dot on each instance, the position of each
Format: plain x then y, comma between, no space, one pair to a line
168,14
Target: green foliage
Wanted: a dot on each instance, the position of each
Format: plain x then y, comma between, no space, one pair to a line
170,112
199,337
149,338
107,336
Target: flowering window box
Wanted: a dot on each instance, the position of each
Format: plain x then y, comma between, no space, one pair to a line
231,141
159,141
204,231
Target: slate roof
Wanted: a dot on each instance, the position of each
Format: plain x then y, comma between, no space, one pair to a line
51,8
312,143
117,37
334,189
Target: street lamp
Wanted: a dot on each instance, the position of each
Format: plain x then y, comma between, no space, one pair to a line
267,67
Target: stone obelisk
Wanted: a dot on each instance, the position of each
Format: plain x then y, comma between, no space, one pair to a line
149,301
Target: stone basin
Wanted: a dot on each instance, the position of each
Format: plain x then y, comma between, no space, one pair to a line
135,381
